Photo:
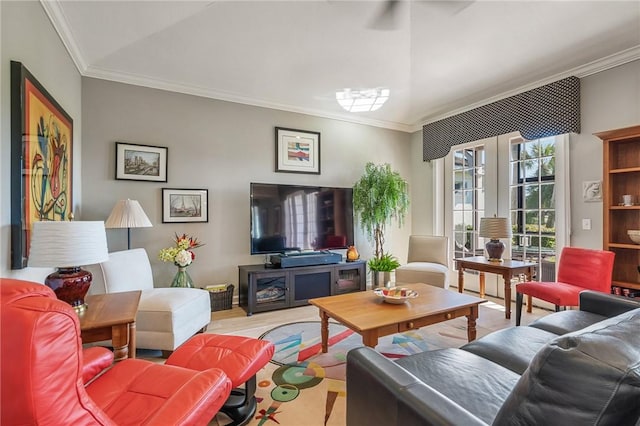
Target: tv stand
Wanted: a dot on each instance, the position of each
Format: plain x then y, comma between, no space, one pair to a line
263,288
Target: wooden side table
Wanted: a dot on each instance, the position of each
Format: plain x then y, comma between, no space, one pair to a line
112,317
507,268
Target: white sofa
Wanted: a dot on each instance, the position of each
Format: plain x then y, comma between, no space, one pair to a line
427,261
167,317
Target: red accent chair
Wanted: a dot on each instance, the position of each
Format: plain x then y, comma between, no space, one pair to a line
48,379
578,269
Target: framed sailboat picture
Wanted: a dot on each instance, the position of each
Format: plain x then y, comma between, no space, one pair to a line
185,205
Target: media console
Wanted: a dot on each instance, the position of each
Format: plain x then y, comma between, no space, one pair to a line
265,289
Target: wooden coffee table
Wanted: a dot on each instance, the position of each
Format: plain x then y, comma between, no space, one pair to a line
112,317
372,318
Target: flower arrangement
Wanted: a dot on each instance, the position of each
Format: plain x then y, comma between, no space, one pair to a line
182,253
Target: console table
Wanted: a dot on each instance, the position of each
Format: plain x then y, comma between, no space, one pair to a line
112,317
265,289
507,268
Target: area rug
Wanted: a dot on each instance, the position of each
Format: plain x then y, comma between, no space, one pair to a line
304,387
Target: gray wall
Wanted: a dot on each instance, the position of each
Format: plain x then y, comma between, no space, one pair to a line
29,37
220,146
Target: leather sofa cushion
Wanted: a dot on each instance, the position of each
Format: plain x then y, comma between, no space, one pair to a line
476,384
566,321
512,348
591,376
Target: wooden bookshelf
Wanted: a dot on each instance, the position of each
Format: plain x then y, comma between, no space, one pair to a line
621,175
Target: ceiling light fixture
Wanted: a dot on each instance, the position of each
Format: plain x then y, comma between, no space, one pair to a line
362,100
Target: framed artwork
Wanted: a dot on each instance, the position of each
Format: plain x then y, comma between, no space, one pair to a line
185,205
41,160
141,162
297,151
592,191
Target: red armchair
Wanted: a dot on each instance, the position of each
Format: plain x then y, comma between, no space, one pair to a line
578,269
45,372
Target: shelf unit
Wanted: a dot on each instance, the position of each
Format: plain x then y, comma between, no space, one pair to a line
266,289
621,175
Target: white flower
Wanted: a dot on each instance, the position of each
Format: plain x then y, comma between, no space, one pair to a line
183,258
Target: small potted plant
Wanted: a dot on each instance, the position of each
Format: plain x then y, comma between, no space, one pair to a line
379,196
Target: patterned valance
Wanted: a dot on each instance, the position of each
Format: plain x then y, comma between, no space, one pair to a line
549,110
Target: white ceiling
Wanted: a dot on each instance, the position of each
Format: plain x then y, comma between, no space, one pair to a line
441,57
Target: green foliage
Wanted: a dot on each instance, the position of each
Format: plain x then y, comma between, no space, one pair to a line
380,195
386,263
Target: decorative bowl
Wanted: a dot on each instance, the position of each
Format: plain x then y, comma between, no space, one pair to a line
634,234
395,295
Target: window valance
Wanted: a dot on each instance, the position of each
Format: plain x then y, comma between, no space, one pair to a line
550,110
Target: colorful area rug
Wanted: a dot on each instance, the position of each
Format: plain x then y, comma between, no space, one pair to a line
304,387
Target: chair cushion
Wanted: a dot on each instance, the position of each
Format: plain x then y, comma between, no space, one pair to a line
512,348
558,293
564,322
238,356
127,270
169,316
137,392
591,376
423,272
476,384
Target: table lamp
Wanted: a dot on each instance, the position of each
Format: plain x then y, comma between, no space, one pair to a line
495,228
128,214
67,245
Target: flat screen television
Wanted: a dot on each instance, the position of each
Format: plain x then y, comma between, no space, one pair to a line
290,218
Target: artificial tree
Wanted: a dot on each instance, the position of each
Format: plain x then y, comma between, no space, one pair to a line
379,196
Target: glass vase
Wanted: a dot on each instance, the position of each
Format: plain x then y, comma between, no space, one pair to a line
182,279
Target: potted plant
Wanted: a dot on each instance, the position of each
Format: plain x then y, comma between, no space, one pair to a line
379,196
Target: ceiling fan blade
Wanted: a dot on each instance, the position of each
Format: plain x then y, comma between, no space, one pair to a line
387,18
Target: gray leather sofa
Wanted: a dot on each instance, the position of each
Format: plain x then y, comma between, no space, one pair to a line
577,367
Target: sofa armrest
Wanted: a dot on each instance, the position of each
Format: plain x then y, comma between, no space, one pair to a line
95,360
604,304
380,392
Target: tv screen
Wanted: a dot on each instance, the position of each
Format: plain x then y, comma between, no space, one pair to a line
287,218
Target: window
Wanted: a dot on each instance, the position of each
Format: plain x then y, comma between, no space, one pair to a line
526,180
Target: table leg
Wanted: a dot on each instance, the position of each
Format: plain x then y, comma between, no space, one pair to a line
120,341
529,274
370,338
471,324
482,285
507,294
324,331
132,340
460,279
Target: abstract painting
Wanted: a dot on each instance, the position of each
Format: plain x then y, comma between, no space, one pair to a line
297,151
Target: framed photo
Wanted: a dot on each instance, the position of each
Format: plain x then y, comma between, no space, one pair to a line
297,151
185,205
141,162
41,160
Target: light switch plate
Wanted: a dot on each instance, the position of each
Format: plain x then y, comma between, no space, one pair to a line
586,224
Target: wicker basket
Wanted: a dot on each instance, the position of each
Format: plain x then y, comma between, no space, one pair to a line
221,300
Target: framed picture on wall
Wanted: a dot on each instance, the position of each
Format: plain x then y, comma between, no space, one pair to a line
297,151
41,160
185,205
141,162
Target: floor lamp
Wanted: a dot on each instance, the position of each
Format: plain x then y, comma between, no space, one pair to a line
128,214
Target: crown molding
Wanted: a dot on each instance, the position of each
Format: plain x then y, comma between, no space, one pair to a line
603,64
61,25
204,92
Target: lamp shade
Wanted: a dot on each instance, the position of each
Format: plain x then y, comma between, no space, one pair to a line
67,244
127,214
495,227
